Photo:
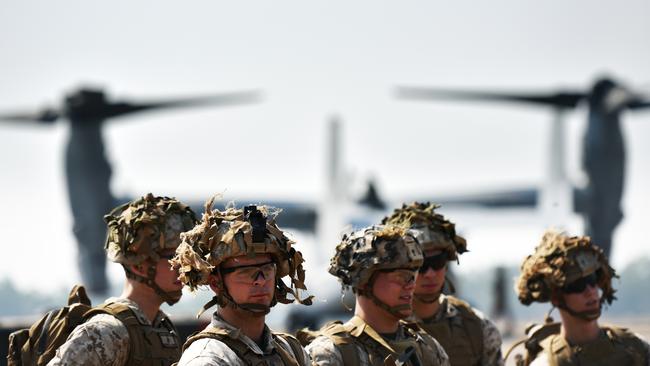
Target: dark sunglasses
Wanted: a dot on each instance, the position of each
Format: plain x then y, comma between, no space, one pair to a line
581,284
435,262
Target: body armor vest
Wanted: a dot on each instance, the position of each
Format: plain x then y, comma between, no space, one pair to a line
355,333
461,336
280,356
159,346
615,346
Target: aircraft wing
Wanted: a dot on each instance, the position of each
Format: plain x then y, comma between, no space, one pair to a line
519,197
295,215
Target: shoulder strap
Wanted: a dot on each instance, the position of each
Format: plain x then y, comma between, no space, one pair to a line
340,335
222,335
297,350
211,332
535,335
137,341
630,342
473,323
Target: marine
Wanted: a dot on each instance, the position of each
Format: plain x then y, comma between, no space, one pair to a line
379,264
467,336
574,275
131,329
242,256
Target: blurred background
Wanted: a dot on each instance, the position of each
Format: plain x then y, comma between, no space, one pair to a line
311,64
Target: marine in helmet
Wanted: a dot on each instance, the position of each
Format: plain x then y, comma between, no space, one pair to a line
468,337
379,264
130,329
574,275
243,256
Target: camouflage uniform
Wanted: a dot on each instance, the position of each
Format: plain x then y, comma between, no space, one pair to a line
458,327
558,261
219,237
104,339
468,337
357,258
137,233
211,351
356,343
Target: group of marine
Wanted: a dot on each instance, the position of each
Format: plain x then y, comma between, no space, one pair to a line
395,269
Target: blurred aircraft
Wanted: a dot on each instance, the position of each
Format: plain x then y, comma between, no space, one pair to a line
603,149
88,171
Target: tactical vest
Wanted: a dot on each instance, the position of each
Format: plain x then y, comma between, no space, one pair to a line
159,346
616,346
279,356
347,337
38,344
461,336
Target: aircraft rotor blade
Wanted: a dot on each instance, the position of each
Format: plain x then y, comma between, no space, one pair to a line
45,116
125,108
639,104
563,99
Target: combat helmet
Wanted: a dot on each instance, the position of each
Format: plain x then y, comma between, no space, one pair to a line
362,253
558,261
236,232
434,232
140,230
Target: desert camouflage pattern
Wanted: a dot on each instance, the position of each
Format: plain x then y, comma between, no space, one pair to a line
434,232
459,345
103,340
634,351
226,234
141,229
210,351
361,253
371,349
559,260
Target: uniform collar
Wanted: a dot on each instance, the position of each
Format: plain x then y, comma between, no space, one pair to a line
236,333
359,326
447,310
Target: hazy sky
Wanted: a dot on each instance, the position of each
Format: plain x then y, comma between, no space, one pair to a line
312,59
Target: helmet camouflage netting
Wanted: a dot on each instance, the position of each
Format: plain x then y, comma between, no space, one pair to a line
361,253
433,231
226,234
559,260
141,229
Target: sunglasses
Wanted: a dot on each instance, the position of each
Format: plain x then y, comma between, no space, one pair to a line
401,276
248,274
435,262
581,284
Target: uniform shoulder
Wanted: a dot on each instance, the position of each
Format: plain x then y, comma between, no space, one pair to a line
208,351
324,352
102,340
628,338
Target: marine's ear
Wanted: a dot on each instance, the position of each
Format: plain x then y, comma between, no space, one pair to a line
215,282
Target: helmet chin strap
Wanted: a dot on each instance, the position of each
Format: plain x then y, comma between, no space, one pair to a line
395,311
587,315
170,297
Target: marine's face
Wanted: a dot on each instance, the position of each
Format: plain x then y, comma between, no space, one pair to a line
166,276
395,288
431,278
250,280
583,295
